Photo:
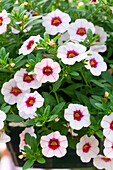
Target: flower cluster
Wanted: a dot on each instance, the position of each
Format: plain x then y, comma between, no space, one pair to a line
56,88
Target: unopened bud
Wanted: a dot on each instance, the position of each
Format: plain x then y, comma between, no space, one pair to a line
25,17
110,71
106,94
51,43
26,3
36,13
27,65
65,75
22,156
12,64
57,119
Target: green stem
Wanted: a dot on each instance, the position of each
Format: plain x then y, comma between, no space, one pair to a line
57,97
84,78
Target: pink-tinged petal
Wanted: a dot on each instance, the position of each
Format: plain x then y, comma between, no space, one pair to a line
1,124
46,151
2,115
108,152
4,138
68,114
60,152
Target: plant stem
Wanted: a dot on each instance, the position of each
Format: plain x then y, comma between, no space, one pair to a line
57,97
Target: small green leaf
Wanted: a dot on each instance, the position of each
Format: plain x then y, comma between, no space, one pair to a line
100,134
72,143
39,124
74,73
101,106
14,118
28,164
6,109
52,118
46,37
56,85
41,160
29,122
58,108
27,138
33,143
46,111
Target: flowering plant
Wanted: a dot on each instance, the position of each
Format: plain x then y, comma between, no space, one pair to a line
56,78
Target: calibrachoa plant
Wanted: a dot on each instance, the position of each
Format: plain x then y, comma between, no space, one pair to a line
56,79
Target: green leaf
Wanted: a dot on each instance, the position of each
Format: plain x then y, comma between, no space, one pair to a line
28,150
2,53
108,77
27,138
31,56
52,118
6,109
19,58
29,122
56,85
101,106
46,37
97,83
28,164
74,73
39,124
99,133
72,143
49,99
33,143
38,57
56,38
58,108
14,118
93,121
41,160
46,111
89,34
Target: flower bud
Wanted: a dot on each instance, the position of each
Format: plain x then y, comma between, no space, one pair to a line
12,64
26,3
57,119
25,17
51,43
27,65
106,94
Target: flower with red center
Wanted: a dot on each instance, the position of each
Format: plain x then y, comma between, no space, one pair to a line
25,80
71,52
102,37
94,2
47,70
29,45
12,93
54,144
108,150
22,137
30,102
2,118
107,124
95,63
56,22
4,20
102,162
87,148
78,30
77,115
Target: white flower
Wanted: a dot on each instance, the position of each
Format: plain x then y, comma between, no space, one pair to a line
3,137
95,63
2,118
22,137
78,29
77,115
29,45
108,151
87,148
54,144
27,115
4,20
25,80
102,162
102,37
30,102
107,124
71,52
64,37
111,9
47,70
12,93
56,22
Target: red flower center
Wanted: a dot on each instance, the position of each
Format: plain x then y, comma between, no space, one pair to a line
81,31
54,144
28,78
1,20
111,125
56,21
30,44
30,101
77,115
93,63
71,54
106,159
86,147
47,70
15,91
